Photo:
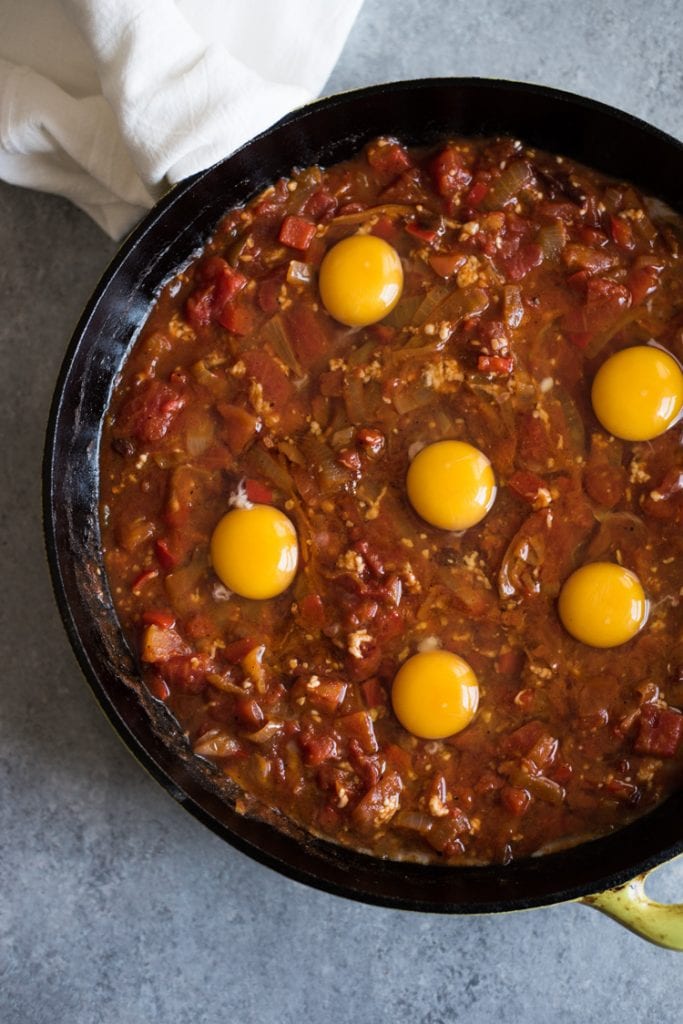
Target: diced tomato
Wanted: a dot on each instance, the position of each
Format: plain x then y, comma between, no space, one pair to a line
585,257
312,611
515,800
379,804
249,712
449,172
622,233
388,159
374,694
526,485
240,426
593,237
328,695
319,205
359,726
150,412
523,739
296,232
604,483
476,194
447,264
606,300
187,672
641,282
398,758
660,731
500,366
199,307
167,560
517,266
228,284
258,493
317,749
386,228
307,335
270,375
237,318
158,617
219,283
579,281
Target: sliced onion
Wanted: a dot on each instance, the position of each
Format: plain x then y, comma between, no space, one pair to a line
386,210
266,732
199,434
266,465
513,179
216,743
552,239
274,333
299,273
513,307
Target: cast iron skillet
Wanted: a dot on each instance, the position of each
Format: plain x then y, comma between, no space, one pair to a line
325,132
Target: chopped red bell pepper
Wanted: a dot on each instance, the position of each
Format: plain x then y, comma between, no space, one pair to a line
297,232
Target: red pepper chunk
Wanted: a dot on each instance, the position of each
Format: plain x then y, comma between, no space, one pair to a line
661,731
515,800
165,557
157,617
428,235
296,232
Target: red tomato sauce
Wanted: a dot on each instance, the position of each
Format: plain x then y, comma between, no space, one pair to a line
522,273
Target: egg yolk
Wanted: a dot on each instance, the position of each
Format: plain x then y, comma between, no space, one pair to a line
603,605
254,551
361,280
435,694
451,485
638,393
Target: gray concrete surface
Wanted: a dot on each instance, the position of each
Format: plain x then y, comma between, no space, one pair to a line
115,905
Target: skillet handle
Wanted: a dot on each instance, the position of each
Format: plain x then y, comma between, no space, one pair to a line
661,923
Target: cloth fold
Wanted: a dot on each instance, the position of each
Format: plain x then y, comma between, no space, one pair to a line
108,102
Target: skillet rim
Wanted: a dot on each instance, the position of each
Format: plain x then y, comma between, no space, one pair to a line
344,868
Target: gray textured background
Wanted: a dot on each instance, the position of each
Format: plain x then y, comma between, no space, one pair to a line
115,905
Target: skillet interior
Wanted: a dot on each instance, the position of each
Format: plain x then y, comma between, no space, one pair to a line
325,132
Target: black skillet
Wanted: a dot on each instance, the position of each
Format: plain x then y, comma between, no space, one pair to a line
325,132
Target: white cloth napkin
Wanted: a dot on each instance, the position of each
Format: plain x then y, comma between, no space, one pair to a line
108,102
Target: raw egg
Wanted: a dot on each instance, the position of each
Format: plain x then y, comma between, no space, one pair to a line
451,485
254,551
435,694
603,605
638,392
361,280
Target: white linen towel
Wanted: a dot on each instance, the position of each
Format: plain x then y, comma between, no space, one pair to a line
108,102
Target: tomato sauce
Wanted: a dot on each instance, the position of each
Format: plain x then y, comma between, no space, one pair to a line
522,273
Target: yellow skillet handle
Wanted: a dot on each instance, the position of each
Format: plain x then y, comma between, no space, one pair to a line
661,923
